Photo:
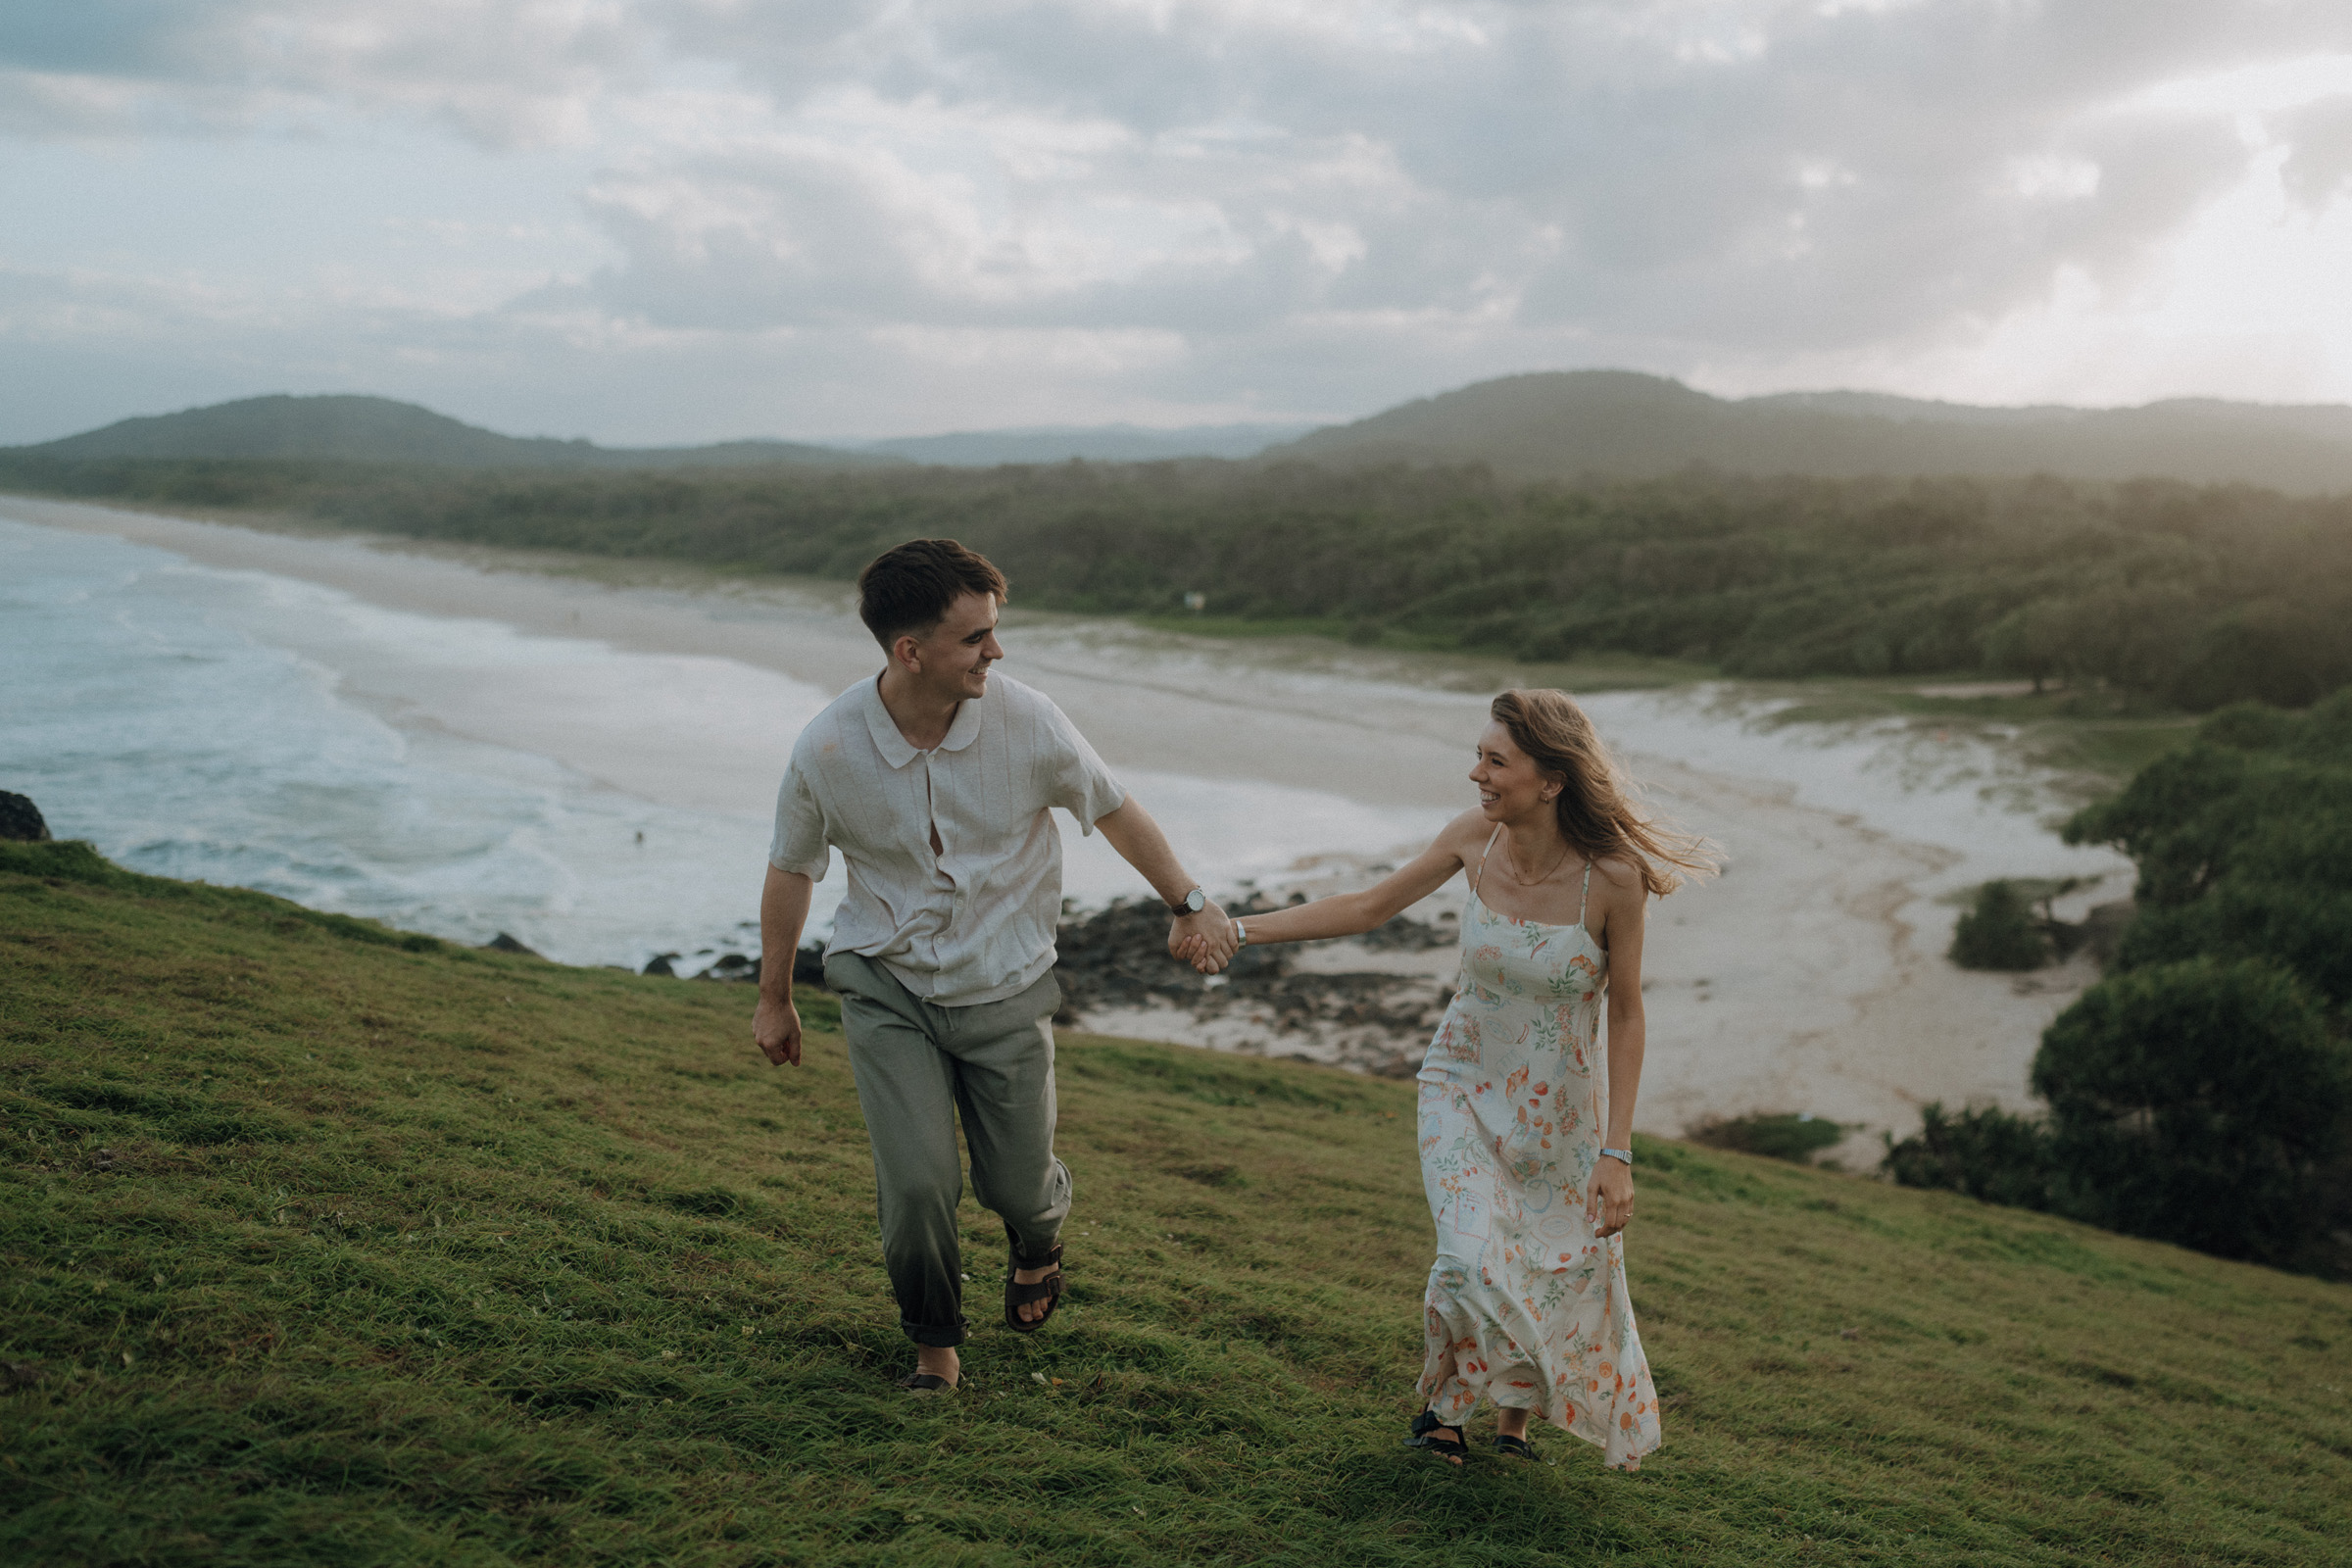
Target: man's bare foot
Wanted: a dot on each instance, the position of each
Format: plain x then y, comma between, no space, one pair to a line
1031,1311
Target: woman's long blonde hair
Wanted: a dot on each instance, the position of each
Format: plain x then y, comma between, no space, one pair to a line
1597,816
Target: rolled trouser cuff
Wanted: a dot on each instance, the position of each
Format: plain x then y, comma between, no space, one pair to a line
1026,1258
933,1337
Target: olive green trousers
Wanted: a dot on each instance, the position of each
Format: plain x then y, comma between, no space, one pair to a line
919,1067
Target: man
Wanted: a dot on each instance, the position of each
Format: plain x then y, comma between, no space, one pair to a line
934,780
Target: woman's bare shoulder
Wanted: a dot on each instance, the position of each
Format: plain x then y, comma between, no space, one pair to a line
1467,834
1621,873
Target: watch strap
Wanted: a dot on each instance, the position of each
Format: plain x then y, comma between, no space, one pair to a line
1625,1154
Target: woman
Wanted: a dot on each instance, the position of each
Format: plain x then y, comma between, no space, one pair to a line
1522,1110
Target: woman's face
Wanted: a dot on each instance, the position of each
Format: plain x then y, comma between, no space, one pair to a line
1510,787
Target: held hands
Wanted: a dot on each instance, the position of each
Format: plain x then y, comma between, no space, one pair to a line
1609,1200
1205,941
776,1030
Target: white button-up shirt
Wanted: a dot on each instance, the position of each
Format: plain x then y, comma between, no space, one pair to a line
975,922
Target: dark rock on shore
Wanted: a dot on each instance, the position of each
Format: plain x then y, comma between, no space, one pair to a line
502,943
808,968
660,963
21,820
1118,958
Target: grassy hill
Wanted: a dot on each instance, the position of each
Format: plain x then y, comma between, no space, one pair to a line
326,1245
379,430
1570,424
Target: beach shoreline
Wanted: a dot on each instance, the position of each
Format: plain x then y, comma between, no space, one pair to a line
1809,978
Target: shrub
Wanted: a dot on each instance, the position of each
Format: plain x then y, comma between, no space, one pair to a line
1985,1153
2199,1102
2000,932
1783,1134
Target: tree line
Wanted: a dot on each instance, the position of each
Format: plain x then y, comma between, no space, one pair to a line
2202,1092
2196,596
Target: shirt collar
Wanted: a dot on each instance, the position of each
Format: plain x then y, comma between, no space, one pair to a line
894,746
966,727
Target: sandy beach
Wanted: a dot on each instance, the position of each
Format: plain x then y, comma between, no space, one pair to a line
1809,977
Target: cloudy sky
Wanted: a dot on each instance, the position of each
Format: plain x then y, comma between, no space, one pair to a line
687,219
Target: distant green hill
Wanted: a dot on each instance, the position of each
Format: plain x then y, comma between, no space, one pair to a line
370,429
1620,424
320,1245
1087,443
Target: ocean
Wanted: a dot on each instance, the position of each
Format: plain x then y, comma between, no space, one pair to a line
459,777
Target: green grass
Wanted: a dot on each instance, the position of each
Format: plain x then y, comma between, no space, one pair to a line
319,1244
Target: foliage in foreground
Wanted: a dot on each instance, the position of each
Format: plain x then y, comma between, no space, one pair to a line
2201,1093
2196,596
327,1245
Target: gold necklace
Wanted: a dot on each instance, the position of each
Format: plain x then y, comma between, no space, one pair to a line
1510,865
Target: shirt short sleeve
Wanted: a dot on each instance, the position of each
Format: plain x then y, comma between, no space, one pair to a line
1075,779
799,843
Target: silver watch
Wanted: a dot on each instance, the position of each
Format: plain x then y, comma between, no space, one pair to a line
1191,902
1625,1154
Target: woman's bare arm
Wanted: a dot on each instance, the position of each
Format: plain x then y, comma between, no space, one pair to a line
1624,901
1346,914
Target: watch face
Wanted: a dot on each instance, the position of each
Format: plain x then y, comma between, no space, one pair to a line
1195,902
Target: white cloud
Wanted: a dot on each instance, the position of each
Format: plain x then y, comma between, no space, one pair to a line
1164,209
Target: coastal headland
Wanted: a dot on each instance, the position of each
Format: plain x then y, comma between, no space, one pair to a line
1809,978
325,1242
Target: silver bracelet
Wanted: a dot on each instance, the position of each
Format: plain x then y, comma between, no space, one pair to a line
1242,932
1625,1154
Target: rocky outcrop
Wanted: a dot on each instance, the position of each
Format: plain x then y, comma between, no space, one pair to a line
21,820
1377,1020
808,968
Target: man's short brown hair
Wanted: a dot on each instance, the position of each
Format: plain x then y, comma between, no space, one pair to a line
907,591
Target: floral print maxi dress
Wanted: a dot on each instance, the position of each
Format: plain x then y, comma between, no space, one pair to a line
1525,1304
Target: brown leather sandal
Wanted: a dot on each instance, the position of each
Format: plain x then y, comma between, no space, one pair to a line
1017,1296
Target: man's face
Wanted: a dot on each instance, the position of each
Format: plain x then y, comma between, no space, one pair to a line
955,658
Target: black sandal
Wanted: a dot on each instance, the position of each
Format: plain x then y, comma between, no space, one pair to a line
1513,1445
1425,1428
926,1383
1017,1296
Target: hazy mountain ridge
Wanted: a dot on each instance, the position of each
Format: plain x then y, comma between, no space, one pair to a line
1100,443
359,428
1565,425
1623,424
354,428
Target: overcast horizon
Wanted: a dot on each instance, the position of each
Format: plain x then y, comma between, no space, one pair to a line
673,221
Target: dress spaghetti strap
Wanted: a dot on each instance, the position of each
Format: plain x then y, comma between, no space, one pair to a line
1482,856
1584,895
